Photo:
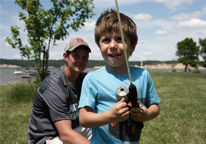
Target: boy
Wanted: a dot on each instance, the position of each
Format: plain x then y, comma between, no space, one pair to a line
112,121
54,115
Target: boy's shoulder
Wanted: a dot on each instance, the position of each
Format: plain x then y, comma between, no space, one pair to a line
97,71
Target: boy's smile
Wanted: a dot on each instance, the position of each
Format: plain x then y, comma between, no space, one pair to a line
117,56
113,51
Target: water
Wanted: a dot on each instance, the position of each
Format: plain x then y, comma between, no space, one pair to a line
7,74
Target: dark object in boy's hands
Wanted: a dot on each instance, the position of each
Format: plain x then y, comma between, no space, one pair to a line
133,99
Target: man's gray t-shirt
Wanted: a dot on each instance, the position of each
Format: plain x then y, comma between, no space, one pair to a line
56,99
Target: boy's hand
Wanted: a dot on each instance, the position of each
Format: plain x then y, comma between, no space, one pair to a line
120,111
139,114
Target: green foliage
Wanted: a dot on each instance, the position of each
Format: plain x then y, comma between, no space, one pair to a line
173,65
14,117
22,92
45,27
196,71
173,70
188,52
202,43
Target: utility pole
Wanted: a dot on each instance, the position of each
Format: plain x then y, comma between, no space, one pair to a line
141,53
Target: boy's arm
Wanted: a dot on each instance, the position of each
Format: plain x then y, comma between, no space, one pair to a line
119,112
68,135
144,114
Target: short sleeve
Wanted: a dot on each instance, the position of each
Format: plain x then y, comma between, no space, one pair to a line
88,92
151,96
57,103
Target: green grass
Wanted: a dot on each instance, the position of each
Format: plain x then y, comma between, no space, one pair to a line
15,107
182,117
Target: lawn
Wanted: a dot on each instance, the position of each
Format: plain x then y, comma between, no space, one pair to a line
182,117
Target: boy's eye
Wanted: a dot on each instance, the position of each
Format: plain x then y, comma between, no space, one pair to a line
106,40
119,40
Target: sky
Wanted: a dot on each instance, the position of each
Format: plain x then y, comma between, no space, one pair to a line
161,24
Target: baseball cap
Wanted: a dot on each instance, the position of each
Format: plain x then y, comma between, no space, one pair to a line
74,43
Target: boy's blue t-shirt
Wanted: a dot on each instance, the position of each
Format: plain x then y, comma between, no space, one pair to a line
99,92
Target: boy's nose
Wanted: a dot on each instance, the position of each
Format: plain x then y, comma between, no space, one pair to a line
113,44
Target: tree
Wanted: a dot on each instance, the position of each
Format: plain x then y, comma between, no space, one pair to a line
188,52
45,27
202,43
173,65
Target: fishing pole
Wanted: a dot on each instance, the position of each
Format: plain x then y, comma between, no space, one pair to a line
132,87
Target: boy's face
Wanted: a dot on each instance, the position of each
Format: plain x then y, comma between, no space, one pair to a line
112,49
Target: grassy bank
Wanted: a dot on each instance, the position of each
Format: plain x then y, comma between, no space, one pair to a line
182,118
15,107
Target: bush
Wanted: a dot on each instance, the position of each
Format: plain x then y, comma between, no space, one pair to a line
173,70
196,71
22,92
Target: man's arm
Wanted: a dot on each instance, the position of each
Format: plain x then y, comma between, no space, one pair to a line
68,135
119,112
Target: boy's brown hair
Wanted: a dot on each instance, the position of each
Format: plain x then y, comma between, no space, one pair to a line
108,22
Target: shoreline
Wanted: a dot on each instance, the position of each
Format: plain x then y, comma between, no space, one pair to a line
157,66
11,82
165,66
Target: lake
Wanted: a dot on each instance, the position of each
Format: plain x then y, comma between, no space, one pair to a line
7,74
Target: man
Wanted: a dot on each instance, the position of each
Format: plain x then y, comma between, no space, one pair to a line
54,115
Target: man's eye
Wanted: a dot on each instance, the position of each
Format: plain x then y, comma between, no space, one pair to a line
85,57
76,56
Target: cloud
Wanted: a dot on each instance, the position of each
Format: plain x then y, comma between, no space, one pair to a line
167,54
160,24
174,4
184,17
2,12
160,32
17,56
204,10
89,25
180,17
111,3
193,23
143,17
147,53
56,55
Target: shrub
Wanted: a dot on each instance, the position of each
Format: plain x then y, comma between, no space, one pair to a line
22,92
196,71
173,70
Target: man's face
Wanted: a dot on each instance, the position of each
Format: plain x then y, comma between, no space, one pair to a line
78,59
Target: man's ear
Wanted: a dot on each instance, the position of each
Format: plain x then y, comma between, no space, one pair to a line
65,56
